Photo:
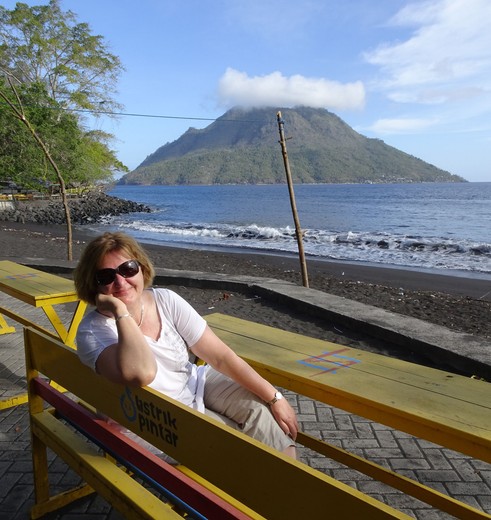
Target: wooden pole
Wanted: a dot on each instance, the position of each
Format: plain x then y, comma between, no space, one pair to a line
298,230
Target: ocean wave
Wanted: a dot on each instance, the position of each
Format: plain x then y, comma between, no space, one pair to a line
397,249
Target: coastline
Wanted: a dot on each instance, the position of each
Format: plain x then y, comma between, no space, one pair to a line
459,302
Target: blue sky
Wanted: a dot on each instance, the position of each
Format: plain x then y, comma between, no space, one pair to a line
415,73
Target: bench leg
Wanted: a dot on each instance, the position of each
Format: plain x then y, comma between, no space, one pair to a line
76,319
40,470
55,321
43,502
58,501
4,327
66,335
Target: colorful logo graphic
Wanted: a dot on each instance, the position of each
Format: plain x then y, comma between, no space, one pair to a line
152,418
330,361
20,276
128,405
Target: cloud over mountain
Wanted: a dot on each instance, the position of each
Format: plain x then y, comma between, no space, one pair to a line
275,89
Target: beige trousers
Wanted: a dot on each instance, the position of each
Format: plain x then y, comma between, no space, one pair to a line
231,404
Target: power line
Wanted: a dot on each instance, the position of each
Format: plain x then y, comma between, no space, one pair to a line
158,116
130,114
154,116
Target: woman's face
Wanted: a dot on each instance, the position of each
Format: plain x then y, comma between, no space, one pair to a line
127,290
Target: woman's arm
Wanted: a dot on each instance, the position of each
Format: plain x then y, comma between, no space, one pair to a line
211,349
130,360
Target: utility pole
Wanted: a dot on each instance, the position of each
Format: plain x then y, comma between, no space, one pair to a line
298,230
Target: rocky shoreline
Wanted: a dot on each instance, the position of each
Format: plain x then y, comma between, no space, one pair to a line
86,209
461,304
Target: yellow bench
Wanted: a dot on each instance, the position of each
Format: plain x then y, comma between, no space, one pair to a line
254,480
42,290
450,410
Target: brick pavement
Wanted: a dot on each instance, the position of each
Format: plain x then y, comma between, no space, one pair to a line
449,472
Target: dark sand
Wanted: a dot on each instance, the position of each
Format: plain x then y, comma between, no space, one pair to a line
461,303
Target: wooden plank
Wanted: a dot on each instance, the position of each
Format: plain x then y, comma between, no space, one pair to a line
40,290
411,487
448,409
117,487
341,355
74,323
226,458
10,402
128,452
33,286
330,358
58,501
321,359
23,321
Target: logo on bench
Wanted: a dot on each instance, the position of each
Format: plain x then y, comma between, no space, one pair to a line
20,276
151,418
329,361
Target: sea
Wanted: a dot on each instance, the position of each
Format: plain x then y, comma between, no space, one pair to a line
444,227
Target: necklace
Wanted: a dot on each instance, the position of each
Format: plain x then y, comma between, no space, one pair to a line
141,316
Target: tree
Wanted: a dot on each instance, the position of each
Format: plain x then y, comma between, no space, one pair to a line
18,112
60,71
84,157
21,159
97,161
43,44
55,70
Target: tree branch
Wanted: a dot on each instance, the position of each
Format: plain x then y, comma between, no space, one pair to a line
19,113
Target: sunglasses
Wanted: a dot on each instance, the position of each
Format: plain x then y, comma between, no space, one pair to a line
127,269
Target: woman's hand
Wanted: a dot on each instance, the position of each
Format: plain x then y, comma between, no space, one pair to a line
110,305
285,416
216,353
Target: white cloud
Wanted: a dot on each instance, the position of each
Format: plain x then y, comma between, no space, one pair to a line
401,125
449,51
237,88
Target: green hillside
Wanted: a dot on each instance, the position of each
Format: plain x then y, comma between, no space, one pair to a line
242,147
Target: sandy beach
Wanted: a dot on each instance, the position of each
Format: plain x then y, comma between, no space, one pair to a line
461,303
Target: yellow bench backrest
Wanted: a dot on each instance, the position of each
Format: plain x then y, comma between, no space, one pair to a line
270,483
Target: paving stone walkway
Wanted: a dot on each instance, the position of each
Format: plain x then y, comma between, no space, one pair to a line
449,472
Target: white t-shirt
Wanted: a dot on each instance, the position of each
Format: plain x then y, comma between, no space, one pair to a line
182,327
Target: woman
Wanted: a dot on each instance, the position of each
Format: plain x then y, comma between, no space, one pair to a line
141,336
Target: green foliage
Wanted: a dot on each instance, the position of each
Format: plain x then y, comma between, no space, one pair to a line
42,44
18,151
242,147
83,157
57,67
96,160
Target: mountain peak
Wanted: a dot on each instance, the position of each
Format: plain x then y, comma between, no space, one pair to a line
241,146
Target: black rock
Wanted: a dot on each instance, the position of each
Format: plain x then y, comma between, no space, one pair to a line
90,208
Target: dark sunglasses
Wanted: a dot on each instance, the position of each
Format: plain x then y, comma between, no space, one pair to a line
127,269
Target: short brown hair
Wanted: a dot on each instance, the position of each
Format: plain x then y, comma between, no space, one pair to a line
84,274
